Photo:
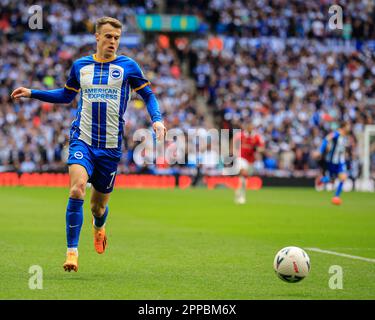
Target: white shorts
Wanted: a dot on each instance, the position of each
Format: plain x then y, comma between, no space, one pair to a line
242,164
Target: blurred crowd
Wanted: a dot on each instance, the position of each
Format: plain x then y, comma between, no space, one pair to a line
280,18
293,92
64,17
34,134
243,18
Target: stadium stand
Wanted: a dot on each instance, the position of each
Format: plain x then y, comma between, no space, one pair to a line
275,63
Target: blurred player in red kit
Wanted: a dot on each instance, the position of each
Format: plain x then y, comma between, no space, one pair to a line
246,144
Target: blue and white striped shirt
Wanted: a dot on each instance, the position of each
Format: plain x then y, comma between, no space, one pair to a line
105,90
335,146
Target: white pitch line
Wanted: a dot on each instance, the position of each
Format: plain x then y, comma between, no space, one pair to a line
341,254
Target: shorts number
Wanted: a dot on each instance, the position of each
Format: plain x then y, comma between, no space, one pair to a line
113,174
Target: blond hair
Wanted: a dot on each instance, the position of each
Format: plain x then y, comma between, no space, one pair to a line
104,20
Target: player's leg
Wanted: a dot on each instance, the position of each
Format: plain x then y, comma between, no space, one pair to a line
80,169
240,193
103,180
342,178
74,213
99,207
340,170
242,185
324,177
99,210
337,199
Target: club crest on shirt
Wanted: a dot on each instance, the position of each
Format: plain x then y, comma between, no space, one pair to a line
78,155
115,74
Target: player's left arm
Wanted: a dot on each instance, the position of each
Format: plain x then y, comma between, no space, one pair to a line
142,86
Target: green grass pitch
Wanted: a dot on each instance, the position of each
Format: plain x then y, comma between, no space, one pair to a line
188,244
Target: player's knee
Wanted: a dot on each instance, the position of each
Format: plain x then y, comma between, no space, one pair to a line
343,177
78,190
243,172
97,209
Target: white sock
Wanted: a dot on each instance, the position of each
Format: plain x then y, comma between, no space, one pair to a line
73,250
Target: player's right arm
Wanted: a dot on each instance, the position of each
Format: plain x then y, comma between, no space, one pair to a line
62,95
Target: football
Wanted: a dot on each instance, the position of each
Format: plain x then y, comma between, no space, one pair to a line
292,264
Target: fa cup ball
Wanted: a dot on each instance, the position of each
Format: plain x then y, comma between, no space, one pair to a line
292,264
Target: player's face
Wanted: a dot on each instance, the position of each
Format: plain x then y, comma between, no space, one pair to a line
108,40
249,128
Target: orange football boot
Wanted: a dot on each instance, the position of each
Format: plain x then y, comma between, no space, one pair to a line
71,262
100,239
336,200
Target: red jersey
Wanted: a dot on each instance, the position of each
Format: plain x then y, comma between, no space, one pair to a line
249,143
